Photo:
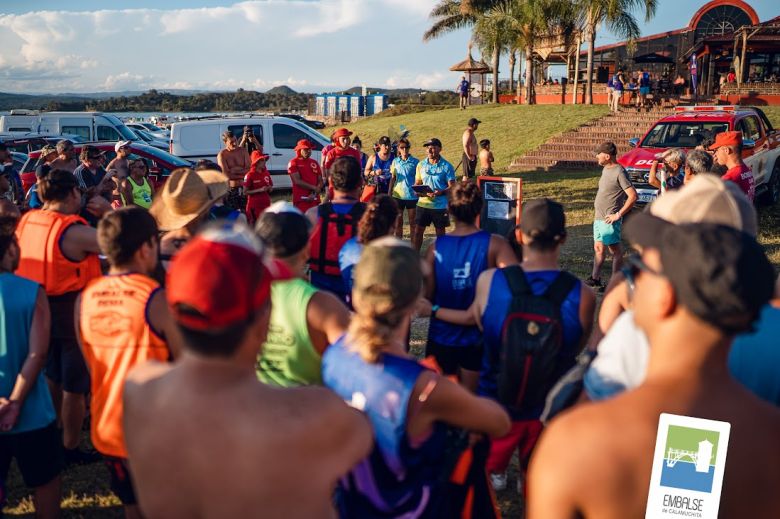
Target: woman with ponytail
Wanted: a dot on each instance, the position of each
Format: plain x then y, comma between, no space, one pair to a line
408,405
379,219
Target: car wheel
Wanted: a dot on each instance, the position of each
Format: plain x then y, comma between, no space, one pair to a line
771,195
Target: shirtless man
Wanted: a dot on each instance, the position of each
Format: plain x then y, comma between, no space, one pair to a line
470,149
224,444
234,162
66,157
690,327
120,162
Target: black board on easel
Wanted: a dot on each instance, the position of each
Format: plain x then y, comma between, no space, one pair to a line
502,204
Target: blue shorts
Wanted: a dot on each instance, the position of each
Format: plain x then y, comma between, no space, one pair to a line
606,233
644,91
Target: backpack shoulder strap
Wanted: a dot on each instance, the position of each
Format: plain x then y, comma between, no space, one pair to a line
560,288
515,278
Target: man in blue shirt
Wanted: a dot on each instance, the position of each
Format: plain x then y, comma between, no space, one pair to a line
439,176
463,92
28,429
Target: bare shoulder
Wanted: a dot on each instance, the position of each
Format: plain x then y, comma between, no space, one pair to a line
144,373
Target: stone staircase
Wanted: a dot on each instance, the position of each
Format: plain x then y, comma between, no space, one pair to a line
574,149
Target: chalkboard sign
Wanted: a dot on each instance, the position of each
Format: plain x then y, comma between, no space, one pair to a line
502,200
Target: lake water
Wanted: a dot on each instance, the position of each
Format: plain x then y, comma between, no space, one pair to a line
684,475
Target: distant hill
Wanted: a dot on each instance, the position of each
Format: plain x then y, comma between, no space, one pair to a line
282,90
9,101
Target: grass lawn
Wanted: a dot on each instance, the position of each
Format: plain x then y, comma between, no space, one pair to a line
86,490
513,130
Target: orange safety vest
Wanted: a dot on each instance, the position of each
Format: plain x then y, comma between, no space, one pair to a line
39,233
116,337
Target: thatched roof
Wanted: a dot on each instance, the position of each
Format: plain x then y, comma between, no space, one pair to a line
471,65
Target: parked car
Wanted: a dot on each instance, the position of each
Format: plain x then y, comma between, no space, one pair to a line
150,128
33,141
202,139
151,140
89,126
317,125
19,160
160,162
689,125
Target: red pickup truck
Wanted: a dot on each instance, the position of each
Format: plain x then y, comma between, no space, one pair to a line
689,125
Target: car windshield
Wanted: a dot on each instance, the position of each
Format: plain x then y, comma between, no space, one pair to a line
682,134
123,130
167,157
151,127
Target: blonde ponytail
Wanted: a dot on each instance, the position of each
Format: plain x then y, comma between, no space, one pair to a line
369,334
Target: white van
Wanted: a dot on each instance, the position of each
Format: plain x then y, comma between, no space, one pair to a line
89,126
202,139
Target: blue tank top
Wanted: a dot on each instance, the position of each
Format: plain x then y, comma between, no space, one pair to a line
349,255
458,262
496,309
396,479
754,357
17,306
383,180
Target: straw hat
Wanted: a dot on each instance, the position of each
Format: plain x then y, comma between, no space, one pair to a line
186,195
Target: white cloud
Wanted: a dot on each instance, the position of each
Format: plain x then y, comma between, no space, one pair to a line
248,44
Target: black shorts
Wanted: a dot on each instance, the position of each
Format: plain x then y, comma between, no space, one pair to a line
453,358
38,455
121,479
236,199
405,204
65,364
469,167
425,217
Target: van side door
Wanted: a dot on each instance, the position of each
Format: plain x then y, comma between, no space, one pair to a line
285,137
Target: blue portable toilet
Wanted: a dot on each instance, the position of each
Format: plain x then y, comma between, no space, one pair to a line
356,106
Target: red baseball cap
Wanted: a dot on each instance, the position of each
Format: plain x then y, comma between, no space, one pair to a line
304,144
341,132
727,139
257,155
220,278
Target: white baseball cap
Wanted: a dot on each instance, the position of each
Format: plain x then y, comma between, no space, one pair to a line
121,144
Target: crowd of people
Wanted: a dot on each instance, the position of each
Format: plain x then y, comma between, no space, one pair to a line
242,357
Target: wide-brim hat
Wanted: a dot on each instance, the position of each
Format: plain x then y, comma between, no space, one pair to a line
257,155
304,144
186,195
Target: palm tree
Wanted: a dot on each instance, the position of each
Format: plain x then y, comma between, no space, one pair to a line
493,34
618,18
512,63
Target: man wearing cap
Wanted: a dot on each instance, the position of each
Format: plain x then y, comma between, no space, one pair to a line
48,156
377,170
623,353
542,233
183,205
224,443
304,320
690,310
234,162
257,186
470,149
120,163
306,177
614,199
93,179
439,175
122,320
728,153
340,149
66,158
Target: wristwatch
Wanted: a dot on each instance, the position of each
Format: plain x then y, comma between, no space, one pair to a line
434,309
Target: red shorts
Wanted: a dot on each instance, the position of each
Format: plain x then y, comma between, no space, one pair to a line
522,436
305,205
255,209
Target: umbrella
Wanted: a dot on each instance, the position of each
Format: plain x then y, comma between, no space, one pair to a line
653,57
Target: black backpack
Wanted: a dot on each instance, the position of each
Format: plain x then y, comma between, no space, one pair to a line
531,340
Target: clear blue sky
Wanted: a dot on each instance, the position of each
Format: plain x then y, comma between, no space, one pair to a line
311,45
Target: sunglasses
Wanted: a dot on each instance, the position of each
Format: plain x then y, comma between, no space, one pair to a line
634,266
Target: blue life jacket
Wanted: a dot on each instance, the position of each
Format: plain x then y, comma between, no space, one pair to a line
397,479
494,315
458,262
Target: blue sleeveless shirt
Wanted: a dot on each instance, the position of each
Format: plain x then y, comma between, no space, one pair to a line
17,306
458,262
383,180
396,479
496,309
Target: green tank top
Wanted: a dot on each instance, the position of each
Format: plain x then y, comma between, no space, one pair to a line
288,357
142,195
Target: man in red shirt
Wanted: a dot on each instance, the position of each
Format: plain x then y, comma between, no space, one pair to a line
257,185
306,177
341,149
728,152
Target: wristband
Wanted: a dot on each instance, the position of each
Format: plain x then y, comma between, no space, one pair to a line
434,309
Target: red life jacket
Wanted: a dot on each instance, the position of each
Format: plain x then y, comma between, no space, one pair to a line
333,230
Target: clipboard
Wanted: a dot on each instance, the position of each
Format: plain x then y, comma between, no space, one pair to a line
421,190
